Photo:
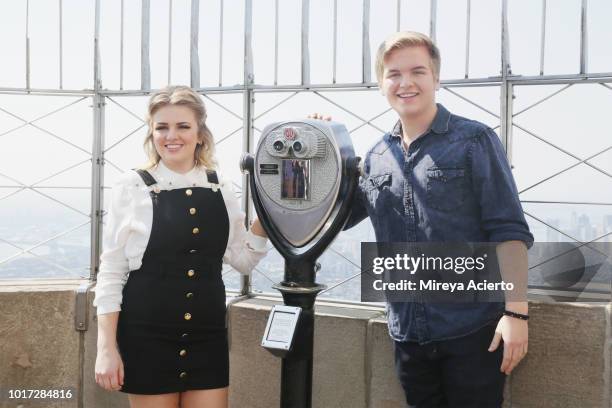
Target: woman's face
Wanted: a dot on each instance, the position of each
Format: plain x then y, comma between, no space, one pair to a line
175,136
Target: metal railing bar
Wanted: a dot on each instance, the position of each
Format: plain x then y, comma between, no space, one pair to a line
61,46
119,169
55,187
28,250
567,235
28,122
342,282
398,14
562,150
60,172
543,37
228,110
221,11
194,58
366,74
275,42
42,130
170,41
121,45
347,111
584,32
433,17
126,109
558,91
369,121
264,275
305,51
27,43
467,37
564,170
564,202
275,106
124,138
335,43
458,95
228,136
145,32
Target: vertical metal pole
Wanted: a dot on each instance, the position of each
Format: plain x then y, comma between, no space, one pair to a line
507,94
97,158
335,48
467,38
305,50
195,31
247,121
543,37
584,44
366,59
27,44
433,17
121,47
220,42
97,61
145,68
169,42
275,42
398,17
61,46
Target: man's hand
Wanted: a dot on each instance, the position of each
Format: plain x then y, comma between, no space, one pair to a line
319,116
514,333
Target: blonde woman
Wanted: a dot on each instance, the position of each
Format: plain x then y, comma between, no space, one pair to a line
160,298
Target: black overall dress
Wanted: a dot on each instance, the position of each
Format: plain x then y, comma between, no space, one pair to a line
171,332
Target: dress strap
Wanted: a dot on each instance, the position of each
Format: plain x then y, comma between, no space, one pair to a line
212,176
146,177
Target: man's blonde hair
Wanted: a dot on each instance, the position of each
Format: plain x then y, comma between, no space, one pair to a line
403,39
182,96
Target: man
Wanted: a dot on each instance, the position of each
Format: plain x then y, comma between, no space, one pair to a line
438,177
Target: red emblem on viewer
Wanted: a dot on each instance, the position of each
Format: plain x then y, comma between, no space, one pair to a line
290,133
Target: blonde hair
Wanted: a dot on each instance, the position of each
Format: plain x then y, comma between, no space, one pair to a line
181,96
403,39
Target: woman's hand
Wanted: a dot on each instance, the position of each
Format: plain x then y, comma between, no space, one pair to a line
109,368
257,229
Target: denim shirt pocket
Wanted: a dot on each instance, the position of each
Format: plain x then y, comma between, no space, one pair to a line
376,188
446,188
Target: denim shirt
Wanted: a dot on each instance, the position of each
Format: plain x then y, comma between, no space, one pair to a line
453,184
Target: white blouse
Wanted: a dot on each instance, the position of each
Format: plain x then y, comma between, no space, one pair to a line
128,228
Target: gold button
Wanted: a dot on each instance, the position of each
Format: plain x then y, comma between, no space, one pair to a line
184,335
190,273
183,374
192,211
188,192
196,230
183,353
189,295
192,251
187,316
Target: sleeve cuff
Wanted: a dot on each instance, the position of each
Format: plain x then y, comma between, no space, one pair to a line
104,309
256,243
527,238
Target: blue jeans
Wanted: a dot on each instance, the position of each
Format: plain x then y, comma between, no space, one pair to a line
458,372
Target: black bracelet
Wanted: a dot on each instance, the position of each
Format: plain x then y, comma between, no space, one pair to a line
516,315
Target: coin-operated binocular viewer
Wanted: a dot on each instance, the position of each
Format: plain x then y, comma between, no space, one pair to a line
303,176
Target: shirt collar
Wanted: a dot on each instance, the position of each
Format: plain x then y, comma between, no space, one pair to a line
439,125
164,172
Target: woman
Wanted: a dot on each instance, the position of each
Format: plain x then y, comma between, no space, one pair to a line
161,331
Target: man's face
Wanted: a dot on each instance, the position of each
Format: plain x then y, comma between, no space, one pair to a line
409,83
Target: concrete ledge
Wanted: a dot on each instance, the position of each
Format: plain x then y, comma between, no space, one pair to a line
569,361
